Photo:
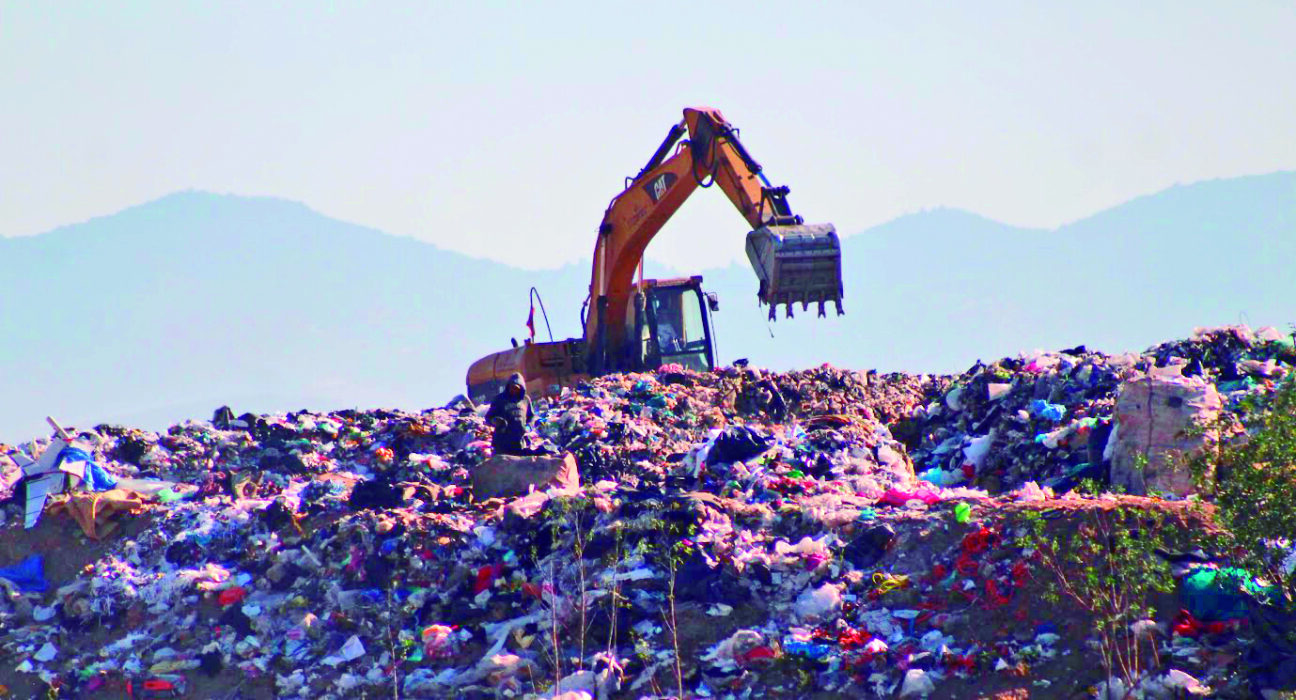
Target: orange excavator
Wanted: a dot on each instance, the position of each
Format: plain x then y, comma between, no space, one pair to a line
641,325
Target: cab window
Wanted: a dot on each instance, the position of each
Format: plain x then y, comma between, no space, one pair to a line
681,332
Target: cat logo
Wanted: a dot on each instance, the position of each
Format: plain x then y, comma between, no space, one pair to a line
657,188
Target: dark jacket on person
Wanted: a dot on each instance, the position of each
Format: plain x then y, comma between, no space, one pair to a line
510,412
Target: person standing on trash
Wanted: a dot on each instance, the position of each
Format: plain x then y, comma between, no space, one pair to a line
510,413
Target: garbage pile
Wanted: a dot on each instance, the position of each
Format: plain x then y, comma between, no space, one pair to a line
1048,417
719,534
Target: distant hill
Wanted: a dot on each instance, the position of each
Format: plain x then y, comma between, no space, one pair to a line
171,308
937,290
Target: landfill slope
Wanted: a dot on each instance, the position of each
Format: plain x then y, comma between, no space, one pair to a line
735,533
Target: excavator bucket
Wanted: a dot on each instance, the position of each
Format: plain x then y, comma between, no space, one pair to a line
797,264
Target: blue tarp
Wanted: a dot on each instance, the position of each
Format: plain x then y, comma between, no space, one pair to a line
96,478
29,576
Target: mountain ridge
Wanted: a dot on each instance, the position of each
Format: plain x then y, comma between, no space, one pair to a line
202,298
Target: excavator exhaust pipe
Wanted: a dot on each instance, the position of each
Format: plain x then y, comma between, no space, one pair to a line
797,264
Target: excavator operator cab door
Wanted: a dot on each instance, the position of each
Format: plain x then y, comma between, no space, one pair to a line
678,324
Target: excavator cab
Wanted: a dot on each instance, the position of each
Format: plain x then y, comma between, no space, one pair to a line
669,323
673,324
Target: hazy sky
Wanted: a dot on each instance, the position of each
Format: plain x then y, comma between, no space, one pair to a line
503,130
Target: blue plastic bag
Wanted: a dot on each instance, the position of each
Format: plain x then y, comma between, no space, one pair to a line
96,477
1048,411
28,576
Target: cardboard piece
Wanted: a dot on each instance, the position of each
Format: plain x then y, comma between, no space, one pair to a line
39,490
42,480
502,476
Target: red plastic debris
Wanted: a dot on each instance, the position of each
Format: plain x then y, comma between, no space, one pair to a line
820,634
151,689
230,596
995,597
1186,625
850,639
486,576
979,541
758,655
1020,573
956,662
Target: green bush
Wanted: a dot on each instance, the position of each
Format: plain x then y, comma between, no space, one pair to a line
1107,568
1250,475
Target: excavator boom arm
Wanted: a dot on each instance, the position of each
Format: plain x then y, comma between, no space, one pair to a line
713,155
721,157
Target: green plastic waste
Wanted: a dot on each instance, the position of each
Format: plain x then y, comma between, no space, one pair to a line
1219,594
962,512
1243,384
168,496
